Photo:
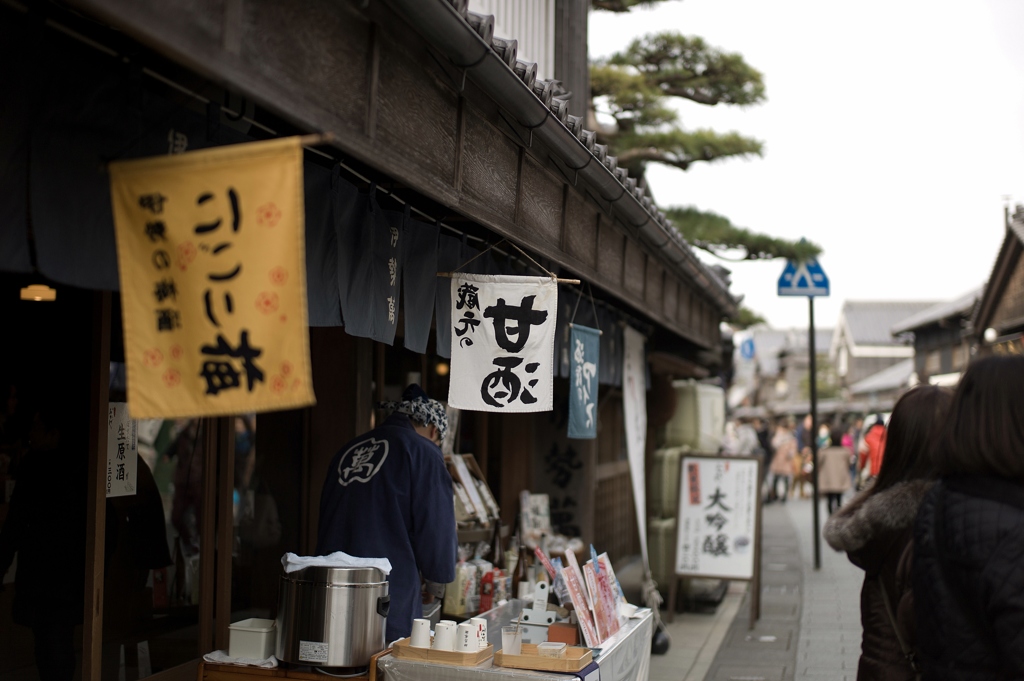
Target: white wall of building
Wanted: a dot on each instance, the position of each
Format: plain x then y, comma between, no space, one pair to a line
531,22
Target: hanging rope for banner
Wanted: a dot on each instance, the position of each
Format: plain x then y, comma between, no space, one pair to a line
597,325
459,268
548,272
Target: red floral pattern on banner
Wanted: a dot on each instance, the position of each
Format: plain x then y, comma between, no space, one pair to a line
268,215
278,276
267,302
186,254
172,378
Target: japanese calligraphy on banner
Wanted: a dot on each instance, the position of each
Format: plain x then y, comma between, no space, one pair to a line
122,451
584,359
718,517
210,248
503,342
634,409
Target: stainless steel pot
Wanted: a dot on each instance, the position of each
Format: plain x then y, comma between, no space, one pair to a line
332,617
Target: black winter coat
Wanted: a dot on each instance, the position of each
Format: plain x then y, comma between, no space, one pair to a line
875,531
968,578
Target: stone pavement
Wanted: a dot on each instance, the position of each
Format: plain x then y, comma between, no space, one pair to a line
810,620
830,631
696,637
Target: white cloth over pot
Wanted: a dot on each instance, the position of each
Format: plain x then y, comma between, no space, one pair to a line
338,559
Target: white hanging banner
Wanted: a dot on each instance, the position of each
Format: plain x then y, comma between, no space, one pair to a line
634,407
122,451
503,343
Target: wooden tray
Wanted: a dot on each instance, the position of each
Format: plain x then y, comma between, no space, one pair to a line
575,659
209,671
404,651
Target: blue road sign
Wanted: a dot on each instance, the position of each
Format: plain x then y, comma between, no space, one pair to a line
747,349
803,279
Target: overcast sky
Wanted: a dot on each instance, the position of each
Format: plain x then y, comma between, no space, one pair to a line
892,130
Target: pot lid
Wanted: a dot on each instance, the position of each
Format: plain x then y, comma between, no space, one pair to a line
364,576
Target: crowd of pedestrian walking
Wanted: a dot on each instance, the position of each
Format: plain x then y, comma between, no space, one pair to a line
847,457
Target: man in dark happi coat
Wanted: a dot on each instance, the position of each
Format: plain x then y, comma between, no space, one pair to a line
388,494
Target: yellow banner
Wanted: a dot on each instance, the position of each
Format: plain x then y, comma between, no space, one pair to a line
210,247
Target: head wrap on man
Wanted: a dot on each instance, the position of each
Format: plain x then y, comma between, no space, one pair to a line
420,408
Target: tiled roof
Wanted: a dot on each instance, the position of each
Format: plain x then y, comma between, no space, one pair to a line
962,306
553,95
870,322
891,378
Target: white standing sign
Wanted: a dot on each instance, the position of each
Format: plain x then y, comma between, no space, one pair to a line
634,406
122,451
718,517
503,343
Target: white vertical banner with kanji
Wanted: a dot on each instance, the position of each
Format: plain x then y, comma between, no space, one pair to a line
503,343
122,451
634,406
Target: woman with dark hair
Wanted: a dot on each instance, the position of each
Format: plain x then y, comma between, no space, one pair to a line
968,569
875,528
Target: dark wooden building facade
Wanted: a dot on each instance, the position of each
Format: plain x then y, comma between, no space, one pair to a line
1001,307
424,103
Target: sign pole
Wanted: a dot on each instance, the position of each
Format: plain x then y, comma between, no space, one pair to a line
814,433
807,278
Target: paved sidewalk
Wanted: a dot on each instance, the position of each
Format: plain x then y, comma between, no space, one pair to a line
810,620
830,630
696,638
769,650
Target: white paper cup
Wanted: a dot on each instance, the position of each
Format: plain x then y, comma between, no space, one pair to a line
511,640
465,638
420,633
481,630
444,636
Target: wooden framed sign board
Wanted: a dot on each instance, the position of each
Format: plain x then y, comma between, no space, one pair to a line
718,525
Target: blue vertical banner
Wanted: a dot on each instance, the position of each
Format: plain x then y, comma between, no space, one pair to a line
584,359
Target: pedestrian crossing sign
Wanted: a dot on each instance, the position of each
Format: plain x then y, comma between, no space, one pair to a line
805,278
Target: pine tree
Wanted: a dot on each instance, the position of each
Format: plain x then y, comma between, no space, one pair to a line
635,89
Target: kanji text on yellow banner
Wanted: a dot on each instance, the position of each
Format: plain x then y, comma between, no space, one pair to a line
210,248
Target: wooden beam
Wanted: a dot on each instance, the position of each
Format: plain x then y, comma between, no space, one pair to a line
96,505
518,216
563,238
460,142
231,31
480,441
307,532
364,383
372,81
225,527
378,376
208,537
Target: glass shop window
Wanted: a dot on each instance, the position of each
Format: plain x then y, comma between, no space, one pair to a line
151,568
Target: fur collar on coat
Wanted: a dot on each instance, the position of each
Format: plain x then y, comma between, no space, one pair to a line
870,516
